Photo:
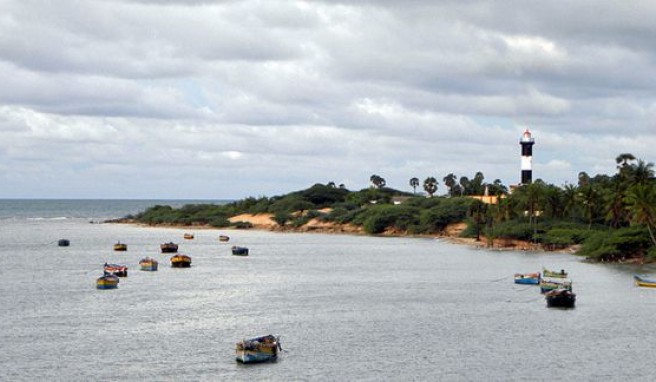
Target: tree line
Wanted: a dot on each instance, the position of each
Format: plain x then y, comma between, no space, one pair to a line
611,217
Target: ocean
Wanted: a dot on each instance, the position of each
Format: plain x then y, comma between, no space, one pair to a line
346,307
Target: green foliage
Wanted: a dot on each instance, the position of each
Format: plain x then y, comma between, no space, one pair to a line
379,218
443,213
512,230
616,245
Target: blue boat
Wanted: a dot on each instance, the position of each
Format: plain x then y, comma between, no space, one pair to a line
259,349
527,278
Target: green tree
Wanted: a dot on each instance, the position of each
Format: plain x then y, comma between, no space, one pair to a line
641,202
450,182
377,181
430,185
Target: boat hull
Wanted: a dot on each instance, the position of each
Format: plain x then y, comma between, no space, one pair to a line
560,299
169,248
149,267
180,261
527,278
646,283
256,350
107,282
248,356
240,251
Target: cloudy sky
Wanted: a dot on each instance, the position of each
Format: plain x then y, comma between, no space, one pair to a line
236,98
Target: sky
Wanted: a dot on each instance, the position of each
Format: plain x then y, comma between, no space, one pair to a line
227,99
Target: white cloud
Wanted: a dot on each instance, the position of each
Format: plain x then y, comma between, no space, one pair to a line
248,97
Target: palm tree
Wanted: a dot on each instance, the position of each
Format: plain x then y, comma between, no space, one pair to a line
464,184
377,181
623,160
450,182
430,186
569,199
589,197
642,172
641,202
414,183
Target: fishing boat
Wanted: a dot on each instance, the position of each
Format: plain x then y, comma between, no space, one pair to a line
169,247
239,251
120,246
550,283
107,281
558,274
188,236
560,298
181,261
116,270
527,278
63,243
260,349
644,282
224,238
148,264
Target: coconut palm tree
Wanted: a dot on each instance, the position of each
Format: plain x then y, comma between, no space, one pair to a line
430,186
414,183
641,202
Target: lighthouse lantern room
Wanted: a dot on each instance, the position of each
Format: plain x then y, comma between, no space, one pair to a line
527,143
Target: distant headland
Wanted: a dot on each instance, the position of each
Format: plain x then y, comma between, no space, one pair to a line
605,218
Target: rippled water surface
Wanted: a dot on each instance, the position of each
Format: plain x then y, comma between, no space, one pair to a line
346,308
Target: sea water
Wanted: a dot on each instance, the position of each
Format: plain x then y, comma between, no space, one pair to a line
346,308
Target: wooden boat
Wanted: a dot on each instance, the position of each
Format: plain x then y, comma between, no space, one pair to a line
181,261
560,298
189,236
260,349
63,243
148,264
644,282
239,251
527,278
120,246
224,238
559,274
116,270
107,281
169,247
551,283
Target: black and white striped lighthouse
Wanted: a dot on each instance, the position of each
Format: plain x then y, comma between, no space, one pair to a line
527,143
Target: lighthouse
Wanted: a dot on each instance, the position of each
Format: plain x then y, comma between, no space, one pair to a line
527,143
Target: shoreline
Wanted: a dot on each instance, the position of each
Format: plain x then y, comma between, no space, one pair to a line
451,234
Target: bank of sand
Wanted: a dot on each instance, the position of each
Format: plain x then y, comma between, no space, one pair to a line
451,233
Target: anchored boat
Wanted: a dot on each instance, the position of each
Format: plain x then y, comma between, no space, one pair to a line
527,278
169,247
181,261
560,298
644,282
239,251
148,264
259,349
117,270
120,246
108,281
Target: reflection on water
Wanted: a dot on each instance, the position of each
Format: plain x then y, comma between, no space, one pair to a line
346,308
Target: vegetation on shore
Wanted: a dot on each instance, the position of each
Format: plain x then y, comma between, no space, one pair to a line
609,218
